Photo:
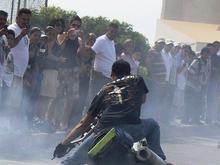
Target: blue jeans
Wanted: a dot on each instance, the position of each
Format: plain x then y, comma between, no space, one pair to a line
148,128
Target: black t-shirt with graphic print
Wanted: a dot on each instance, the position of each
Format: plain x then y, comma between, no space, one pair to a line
119,102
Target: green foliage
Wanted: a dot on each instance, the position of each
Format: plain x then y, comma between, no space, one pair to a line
96,25
42,17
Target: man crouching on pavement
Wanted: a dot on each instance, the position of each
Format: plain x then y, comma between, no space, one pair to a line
117,104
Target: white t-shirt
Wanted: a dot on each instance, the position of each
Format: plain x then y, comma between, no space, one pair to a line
133,63
168,63
181,77
20,52
105,55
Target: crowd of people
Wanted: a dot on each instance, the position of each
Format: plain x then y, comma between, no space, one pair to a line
184,83
51,75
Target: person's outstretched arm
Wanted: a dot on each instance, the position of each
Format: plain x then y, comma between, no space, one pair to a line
79,129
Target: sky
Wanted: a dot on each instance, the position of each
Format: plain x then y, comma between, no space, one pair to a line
142,14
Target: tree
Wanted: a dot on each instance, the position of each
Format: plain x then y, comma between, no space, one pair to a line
96,25
42,17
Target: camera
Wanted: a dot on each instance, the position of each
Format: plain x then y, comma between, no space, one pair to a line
5,27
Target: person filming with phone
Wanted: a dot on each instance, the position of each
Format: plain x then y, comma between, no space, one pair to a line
20,53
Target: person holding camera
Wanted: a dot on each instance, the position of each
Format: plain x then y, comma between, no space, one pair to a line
50,55
32,76
20,53
71,47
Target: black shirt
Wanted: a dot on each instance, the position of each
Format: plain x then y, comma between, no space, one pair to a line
119,102
70,53
49,63
215,68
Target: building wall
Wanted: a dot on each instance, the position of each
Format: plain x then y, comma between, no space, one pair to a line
204,11
165,31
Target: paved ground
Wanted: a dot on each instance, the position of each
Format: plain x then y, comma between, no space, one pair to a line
195,145
183,145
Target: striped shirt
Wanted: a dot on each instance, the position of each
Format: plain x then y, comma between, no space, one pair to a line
156,67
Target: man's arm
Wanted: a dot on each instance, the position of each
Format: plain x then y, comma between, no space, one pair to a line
79,129
3,31
24,32
52,57
85,51
81,40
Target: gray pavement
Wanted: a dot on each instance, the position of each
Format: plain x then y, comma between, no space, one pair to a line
192,145
183,145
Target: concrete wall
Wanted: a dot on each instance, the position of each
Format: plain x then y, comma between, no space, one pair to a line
164,31
167,32
205,11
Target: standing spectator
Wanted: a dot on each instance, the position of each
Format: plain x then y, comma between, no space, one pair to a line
86,62
167,58
31,76
156,79
213,83
59,25
3,31
105,56
178,100
127,55
48,92
20,52
197,78
174,52
68,89
8,70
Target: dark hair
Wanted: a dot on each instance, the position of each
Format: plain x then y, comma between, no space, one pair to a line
54,21
216,42
75,18
35,29
205,50
91,36
113,25
209,45
24,11
11,32
121,68
3,13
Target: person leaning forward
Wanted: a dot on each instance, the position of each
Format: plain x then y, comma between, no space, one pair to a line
125,94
